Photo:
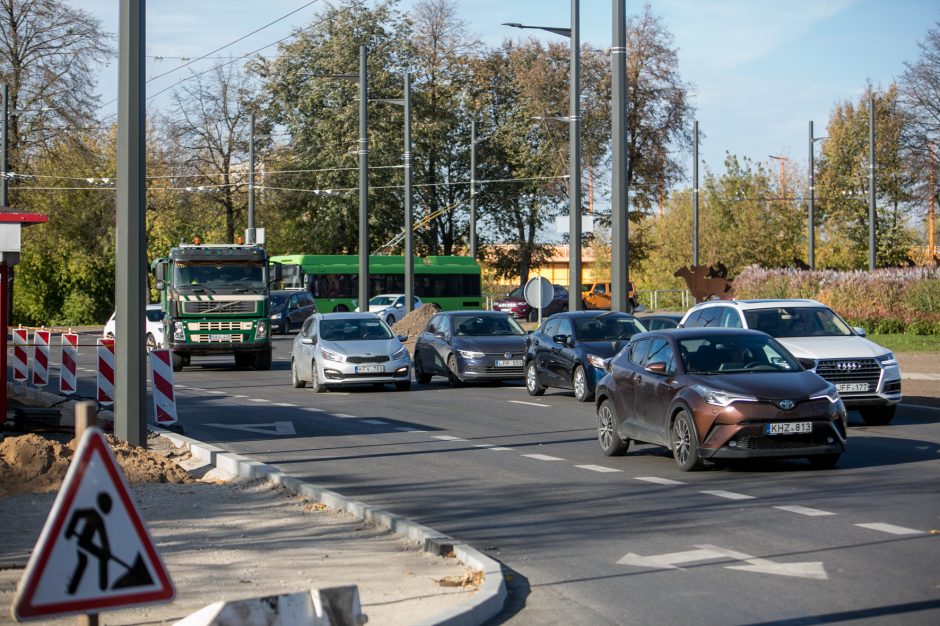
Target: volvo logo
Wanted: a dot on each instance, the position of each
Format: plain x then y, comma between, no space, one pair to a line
507,355
847,366
786,405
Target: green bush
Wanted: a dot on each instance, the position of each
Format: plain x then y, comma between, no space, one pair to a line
888,326
924,296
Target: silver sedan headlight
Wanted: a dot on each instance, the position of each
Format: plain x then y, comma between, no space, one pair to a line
400,354
330,355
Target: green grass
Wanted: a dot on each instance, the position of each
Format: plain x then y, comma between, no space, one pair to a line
901,342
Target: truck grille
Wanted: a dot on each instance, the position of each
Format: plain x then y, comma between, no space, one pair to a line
217,338
220,325
838,371
217,307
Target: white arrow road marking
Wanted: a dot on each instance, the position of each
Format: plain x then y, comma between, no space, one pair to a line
529,403
705,552
277,428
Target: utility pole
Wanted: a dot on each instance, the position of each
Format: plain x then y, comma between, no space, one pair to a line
930,214
130,372
695,193
473,189
811,218
871,180
574,163
4,165
250,238
363,181
619,218
409,218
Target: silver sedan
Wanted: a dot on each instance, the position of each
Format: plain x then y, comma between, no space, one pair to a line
334,349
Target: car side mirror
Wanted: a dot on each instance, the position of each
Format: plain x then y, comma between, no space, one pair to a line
656,368
439,334
570,341
859,331
562,339
403,338
308,340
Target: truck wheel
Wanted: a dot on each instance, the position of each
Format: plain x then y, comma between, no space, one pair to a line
263,360
178,361
242,360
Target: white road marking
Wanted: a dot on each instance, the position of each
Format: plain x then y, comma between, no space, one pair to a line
311,409
240,396
284,404
542,457
483,445
659,481
277,428
258,400
375,422
891,529
217,393
447,438
529,403
500,448
802,510
598,468
808,569
342,415
730,495
178,386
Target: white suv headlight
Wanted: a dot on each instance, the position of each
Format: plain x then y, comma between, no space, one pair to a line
471,354
887,359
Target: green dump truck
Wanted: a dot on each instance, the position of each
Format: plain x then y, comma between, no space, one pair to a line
215,301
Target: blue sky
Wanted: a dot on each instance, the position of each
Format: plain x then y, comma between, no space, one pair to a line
761,68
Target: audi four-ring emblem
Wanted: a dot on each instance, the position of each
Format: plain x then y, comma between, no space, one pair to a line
847,365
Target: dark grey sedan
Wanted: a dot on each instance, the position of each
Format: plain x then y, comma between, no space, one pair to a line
470,346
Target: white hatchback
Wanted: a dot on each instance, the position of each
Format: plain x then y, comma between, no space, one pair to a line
865,374
391,306
154,327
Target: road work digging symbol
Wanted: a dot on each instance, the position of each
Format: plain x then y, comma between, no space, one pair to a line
94,552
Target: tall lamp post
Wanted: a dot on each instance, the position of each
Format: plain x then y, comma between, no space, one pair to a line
619,200
783,175
811,218
574,153
405,102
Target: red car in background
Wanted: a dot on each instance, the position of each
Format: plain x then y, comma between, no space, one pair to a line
514,303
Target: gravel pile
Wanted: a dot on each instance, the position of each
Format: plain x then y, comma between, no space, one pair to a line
413,323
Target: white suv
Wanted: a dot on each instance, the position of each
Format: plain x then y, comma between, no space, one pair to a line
865,374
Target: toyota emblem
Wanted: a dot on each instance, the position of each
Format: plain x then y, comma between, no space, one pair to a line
507,355
786,405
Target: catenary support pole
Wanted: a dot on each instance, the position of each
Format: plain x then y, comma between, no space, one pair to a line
130,376
574,164
620,234
871,180
811,217
363,181
695,193
473,189
250,238
409,217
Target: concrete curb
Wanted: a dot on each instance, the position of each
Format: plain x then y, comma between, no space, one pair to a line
486,602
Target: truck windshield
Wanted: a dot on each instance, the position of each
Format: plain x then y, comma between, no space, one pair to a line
220,277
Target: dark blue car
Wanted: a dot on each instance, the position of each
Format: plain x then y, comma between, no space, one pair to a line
470,346
569,349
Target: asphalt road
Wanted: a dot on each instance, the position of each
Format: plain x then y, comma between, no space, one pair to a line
588,539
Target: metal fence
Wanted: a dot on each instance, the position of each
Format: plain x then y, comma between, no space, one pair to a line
666,299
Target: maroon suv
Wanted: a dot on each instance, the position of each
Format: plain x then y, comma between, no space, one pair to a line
717,393
514,303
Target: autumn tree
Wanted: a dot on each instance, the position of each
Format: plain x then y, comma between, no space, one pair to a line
48,55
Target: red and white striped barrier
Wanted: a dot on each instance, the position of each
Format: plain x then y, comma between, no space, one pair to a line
164,400
20,354
68,376
41,358
106,371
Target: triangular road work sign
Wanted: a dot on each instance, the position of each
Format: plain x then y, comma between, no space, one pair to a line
94,552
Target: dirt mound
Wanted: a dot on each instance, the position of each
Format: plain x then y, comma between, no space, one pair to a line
413,323
31,463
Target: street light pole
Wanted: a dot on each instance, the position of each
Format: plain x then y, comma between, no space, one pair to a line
871,180
574,153
783,177
250,239
473,189
619,218
3,151
409,218
695,193
363,182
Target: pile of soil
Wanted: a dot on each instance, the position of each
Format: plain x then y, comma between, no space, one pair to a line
32,463
413,323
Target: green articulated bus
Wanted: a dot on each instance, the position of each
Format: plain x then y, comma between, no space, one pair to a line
450,282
